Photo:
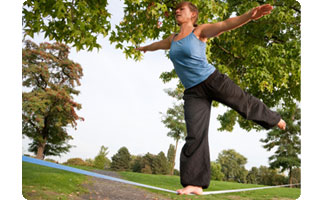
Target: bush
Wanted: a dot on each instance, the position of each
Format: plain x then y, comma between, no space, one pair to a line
101,161
176,172
89,162
147,169
76,161
51,160
216,173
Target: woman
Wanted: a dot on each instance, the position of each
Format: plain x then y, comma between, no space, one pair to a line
203,83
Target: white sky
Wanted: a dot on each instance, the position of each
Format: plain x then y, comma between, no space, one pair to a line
121,100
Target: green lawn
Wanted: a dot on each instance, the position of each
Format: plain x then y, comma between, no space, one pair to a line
40,182
173,183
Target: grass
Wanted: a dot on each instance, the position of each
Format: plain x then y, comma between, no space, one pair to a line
40,182
173,183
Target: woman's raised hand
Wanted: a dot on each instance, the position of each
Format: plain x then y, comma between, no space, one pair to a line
141,49
260,11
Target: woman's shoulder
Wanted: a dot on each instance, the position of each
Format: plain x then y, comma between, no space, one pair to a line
172,36
198,33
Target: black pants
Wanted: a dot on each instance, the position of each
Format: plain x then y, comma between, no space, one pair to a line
195,158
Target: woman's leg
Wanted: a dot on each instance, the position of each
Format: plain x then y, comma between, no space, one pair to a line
224,90
195,158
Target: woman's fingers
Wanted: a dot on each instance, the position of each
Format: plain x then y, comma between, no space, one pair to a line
266,7
140,49
261,11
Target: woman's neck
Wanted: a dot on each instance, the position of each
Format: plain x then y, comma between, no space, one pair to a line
186,28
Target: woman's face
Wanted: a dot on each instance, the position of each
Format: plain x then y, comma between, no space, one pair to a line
184,14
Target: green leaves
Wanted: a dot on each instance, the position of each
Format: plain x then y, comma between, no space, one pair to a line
143,20
72,22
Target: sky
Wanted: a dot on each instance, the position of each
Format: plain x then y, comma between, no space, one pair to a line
104,125
121,103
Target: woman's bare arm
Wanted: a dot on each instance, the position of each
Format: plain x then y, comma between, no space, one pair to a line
162,44
214,30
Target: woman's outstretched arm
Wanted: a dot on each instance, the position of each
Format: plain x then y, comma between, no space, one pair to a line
162,44
213,30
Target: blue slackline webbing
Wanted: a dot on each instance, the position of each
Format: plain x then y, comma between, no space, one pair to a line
80,171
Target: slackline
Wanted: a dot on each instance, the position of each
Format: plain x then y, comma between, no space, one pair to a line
80,171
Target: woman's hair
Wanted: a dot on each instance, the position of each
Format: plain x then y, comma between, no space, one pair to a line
192,7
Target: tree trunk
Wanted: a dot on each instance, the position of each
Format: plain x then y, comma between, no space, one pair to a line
290,177
174,158
42,143
40,151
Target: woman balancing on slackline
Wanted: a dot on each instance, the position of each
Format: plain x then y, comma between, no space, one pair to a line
203,83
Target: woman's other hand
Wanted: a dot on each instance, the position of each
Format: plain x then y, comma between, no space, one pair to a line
260,11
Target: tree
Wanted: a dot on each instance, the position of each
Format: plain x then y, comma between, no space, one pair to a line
296,175
49,78
287,142
147,163
268,176
232,165
171,157
136,165
101,161
55,148
216,173
78,22
262,57
121,160
174,120
160,164
253,175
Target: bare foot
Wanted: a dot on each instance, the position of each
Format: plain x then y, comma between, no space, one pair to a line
190,189
282,124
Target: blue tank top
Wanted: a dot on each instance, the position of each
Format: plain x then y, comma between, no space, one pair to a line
188,56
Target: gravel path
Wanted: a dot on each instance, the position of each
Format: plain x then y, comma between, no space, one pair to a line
101,189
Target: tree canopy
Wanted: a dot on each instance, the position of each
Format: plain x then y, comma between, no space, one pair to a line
77,22
262,57
216,173
121,160
233,165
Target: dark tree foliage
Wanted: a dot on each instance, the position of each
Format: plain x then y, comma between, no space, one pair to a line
121,160
287,143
